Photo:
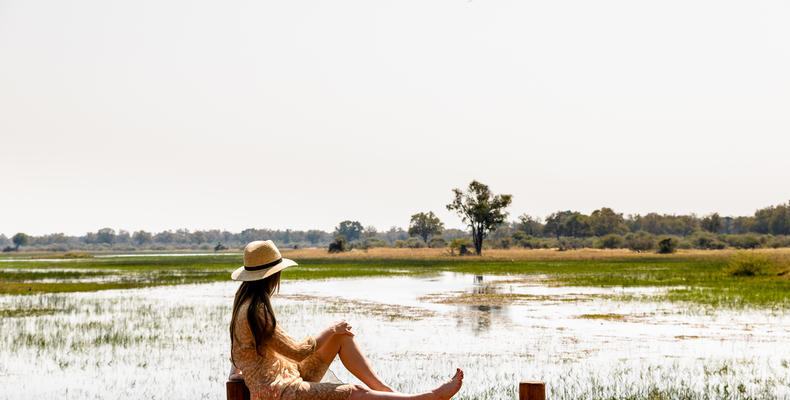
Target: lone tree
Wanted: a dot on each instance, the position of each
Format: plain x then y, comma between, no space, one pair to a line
20,239
424,225
481,209
351,230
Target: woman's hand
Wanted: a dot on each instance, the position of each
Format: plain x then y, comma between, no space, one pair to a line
341,327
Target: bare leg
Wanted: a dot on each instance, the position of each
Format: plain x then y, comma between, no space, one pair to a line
443,392
346,347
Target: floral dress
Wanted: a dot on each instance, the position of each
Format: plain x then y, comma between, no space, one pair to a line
285,369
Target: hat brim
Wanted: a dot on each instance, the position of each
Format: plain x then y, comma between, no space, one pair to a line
241,274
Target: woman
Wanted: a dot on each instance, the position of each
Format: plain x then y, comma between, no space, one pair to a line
275,366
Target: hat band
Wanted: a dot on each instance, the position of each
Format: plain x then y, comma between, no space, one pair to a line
264,266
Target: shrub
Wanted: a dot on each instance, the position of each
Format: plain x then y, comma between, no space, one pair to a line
338,245
375,242
437,243
778,241
57,248
498,243
706,241
610,241
743,241
399,244
414,243
570,243
218,247
667,245
529,242
459,244
750,264
640,241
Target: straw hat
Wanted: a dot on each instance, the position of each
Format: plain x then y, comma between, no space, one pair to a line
261,259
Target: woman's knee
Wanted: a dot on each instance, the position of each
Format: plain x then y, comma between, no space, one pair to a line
347,339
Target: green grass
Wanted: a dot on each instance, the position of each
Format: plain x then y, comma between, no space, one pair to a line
693,279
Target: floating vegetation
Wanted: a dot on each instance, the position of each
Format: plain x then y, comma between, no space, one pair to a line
609,316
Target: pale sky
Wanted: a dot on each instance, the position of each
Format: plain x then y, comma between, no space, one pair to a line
299,114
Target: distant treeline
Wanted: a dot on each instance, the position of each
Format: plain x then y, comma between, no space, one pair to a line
604,228
214,239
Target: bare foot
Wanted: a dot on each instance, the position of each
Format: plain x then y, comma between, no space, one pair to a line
451,387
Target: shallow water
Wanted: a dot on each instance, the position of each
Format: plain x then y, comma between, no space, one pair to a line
172,342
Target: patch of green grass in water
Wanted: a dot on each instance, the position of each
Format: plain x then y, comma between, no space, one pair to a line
603,316
28,312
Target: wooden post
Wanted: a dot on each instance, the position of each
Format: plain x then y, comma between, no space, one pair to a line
532,390
237,390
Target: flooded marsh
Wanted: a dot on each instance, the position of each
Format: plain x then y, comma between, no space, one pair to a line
585,342
690,277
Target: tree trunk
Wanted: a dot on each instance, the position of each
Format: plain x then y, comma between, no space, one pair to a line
478,239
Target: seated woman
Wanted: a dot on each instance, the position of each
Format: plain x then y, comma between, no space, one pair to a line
275,366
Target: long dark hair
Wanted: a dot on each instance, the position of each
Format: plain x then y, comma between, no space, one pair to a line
258,293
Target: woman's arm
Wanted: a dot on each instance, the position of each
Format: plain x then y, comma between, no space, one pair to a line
284,344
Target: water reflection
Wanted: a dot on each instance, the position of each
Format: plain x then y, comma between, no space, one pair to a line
480,316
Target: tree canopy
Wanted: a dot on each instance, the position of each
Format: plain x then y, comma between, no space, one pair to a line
20,239
480,209
351,230
424,225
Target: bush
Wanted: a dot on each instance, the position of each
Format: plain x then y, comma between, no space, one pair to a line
750,264
529,242
437,243
610,241
570,243
375,242
414,243
218,247
743,241
706,241
338,245
667,245
56,248
399,244
778,241
459,244
498,243
640,241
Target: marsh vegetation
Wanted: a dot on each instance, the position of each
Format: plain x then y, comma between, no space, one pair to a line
592,324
